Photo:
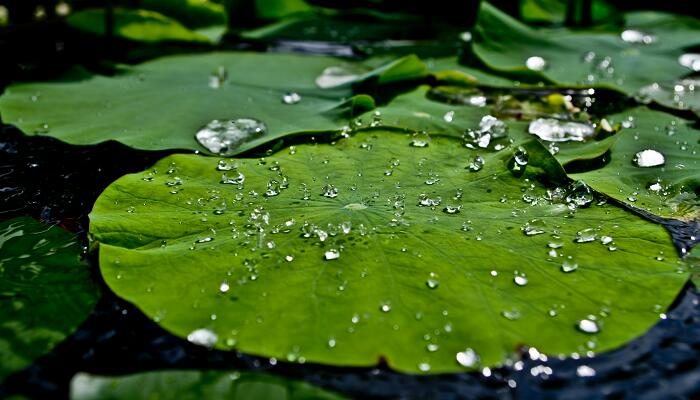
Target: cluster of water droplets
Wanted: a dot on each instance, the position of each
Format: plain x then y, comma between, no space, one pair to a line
224,137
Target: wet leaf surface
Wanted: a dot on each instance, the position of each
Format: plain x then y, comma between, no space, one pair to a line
229,266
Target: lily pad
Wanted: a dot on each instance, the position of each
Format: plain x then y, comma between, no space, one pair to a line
137,25
191,13
653,44
195,385
669,189
382,247
196,89
45,291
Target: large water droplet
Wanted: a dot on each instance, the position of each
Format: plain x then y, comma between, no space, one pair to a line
585,236
225,136
690,60
329,191
335,76
536,63
477,164
648,158
584,371
569,266
432,281
218,77
534,227
554,130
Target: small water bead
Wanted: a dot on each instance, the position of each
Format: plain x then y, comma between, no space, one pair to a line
554,130
648,158
588,326
606,240
569,266
432,281
490,129
331,254
636,37
511,315
477,164
203,337
329,191
424,367
174,182
335,76
224,287
534,227
536,63
218,77
690,61
223,165
520,280
425,201
385,307
452,209
449,116
237,178
468,358
225,136
585,236
204,240
291,98
420,139
521,157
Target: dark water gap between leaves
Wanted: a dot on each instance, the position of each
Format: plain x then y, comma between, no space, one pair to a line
58,183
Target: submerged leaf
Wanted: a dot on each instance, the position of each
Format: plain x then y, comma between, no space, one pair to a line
45,291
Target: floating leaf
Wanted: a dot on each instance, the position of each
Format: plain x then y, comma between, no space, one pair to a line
575,58
197,89
45,291
194,385
191,13
375,247
137,25
669,189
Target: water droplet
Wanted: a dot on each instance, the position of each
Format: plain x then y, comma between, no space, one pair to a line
335,76
204,240
331,343
588,326
203,337
585,236
432,281
218,77
468,358
224,287
425,201
477,164
606,240
648,158
569,266
636,37
690,60
520,280
385,307
273,188
291,98
424,367
331,254
511,315
432,347
449,116
584,371
534,227
329,191
521,157
226,166
536,63
554,130
225,136
451,209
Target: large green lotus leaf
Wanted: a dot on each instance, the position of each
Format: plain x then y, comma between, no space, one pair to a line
194,385
45,291
162,104
669,190
380,250
137,25
505,45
